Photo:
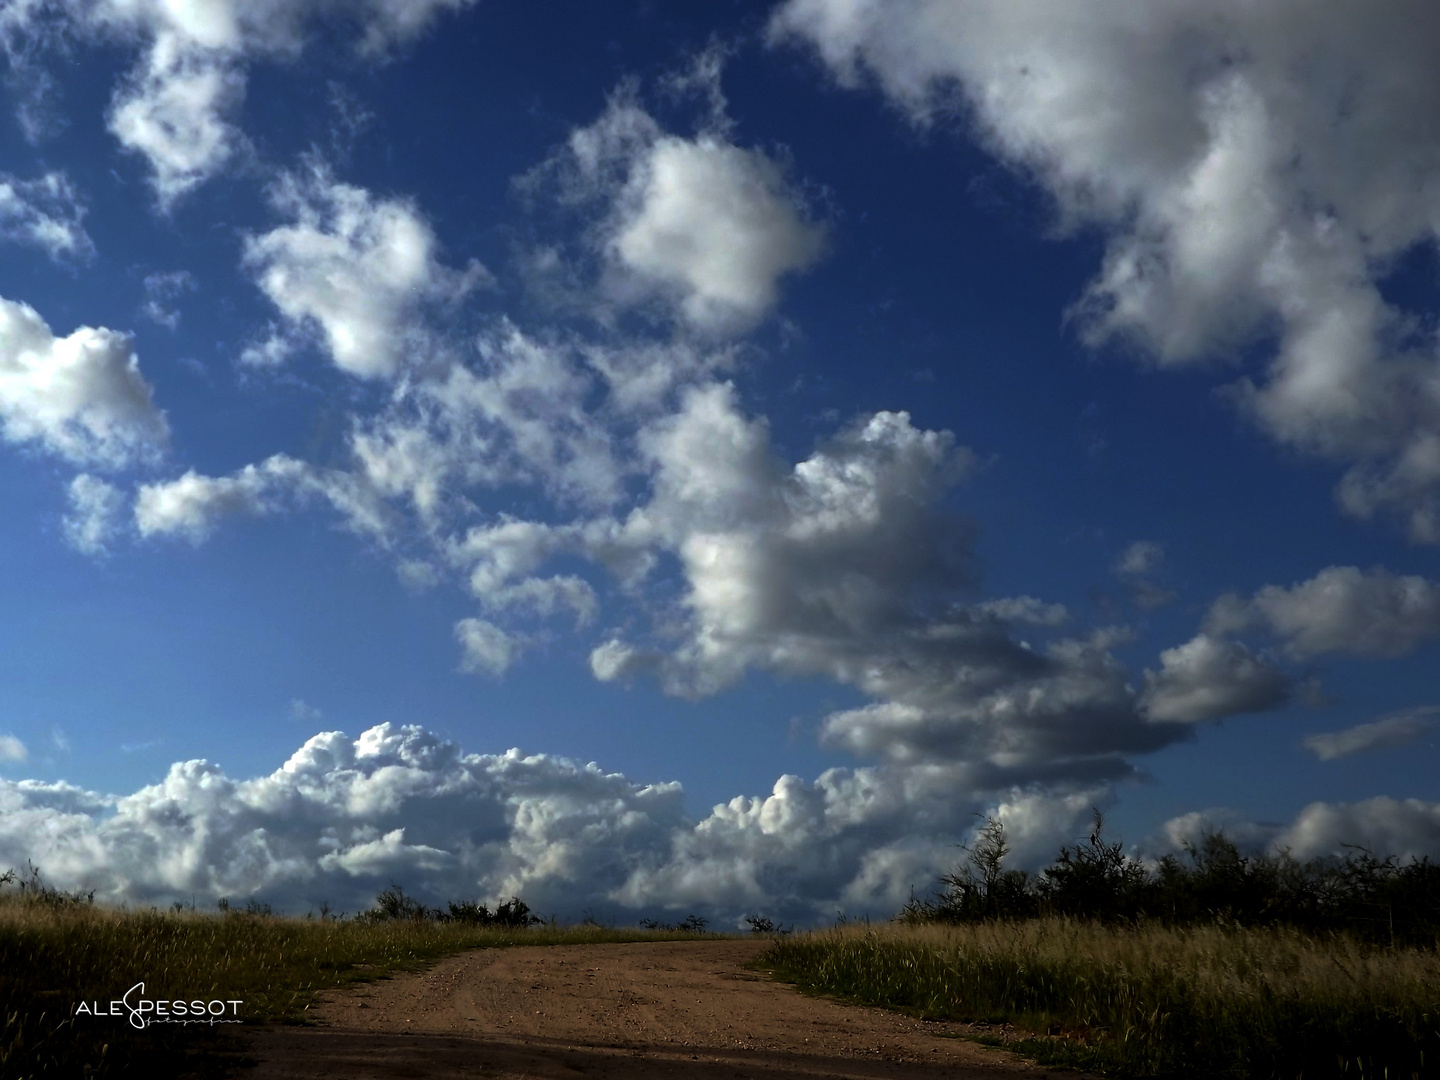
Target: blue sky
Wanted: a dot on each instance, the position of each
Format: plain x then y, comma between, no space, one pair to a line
834,420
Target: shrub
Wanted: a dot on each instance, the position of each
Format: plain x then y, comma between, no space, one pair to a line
1377,899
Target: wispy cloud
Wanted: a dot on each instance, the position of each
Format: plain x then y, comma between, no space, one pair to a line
1396,729
12,750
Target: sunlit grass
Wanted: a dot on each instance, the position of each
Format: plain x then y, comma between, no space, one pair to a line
1204,1001
55,954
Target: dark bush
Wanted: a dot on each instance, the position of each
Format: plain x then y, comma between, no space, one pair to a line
759,924
691,924
1377,899
513,913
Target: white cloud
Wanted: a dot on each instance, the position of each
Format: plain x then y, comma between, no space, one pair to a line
861,840
1209,678
1023,611
81,397
707,225
1257,169
171,112
393,22
192,505
269,26
46,213
642,377
12,750
847,565
176,107
418,575
1342,609
486,647
355,269
715,222
1189,830
1140,559
521,412
161,291
94,520
1406,828
1403,828
305,713
1397,729
344,816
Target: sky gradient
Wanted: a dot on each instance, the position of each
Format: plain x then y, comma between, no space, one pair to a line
704,458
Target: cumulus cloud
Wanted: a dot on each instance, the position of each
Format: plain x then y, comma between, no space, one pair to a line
12,750
847,565
172,112
343,816
354,269
81,397
1405,828
1209,678
95,515
176,107
1257,169
1343,610
193,504
862,840
1397,729
708,225
1189,830
340,818
46,213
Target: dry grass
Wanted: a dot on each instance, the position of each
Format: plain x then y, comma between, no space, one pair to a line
55,953
1205,1001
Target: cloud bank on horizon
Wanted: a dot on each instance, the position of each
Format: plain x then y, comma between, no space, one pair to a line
343,817
575,439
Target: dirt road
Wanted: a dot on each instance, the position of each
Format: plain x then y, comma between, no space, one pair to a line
644,1011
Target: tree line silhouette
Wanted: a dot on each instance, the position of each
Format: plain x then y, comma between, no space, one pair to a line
1377,898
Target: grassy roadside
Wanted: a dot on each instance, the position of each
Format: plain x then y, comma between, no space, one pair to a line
1152,1001
55,955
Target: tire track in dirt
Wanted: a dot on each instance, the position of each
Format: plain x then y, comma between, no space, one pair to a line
646,1011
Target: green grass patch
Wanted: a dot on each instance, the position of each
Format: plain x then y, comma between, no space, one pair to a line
1152,1001
56,952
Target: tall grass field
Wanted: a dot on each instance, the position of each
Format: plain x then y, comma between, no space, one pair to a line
57,950
1211,1001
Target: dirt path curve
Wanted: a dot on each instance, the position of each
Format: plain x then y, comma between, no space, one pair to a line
644,1011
